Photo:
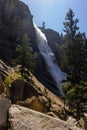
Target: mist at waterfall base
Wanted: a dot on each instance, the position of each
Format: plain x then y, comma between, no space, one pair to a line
49,58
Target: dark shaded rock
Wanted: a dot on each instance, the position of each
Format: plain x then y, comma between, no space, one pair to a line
15,18
1,85
17,90
15,21
54,38
4,106
20,90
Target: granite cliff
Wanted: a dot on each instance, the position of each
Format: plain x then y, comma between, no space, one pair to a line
15,21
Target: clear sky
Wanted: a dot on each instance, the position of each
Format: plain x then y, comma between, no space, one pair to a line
53,12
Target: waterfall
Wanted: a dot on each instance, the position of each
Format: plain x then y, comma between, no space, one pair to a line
49,58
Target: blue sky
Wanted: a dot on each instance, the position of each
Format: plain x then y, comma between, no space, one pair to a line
53,12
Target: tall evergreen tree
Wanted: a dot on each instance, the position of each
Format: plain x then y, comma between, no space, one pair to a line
73,56
26,56
44,25
73,59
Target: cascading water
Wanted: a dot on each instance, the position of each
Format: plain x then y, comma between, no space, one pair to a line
49,58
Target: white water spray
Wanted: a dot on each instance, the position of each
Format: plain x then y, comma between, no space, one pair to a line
49,58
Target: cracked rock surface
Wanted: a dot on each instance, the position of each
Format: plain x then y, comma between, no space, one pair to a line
25,119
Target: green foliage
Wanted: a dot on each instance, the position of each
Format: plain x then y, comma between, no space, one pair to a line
70,24
75,95
84,91
73,56
12,76
26,56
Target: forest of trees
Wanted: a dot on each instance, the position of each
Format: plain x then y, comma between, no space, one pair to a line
74,61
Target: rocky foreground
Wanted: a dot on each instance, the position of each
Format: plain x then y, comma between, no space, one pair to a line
29,99
25,119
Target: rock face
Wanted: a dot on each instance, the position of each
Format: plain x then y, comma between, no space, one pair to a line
1,85
15,21
54,39
25,119
20,90
4,106
4,70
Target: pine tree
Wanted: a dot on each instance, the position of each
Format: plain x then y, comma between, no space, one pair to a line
74,60
26,56
75,96
73,56
43,25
